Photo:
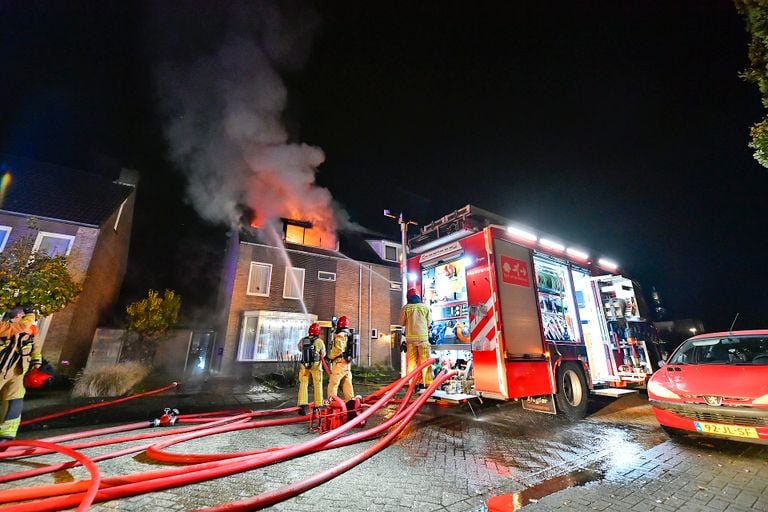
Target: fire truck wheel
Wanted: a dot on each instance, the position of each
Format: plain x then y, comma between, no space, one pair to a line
571,391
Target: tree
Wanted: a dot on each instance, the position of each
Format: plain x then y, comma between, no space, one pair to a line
150,320
755,13
34,279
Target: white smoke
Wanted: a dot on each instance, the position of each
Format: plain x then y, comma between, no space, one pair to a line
225,102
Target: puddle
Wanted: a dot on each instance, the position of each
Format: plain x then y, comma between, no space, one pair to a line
517,500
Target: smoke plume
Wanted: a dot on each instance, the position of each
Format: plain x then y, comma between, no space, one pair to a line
222,92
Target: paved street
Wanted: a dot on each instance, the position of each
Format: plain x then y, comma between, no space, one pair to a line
447,460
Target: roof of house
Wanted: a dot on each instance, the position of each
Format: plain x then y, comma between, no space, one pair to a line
49,191
352,244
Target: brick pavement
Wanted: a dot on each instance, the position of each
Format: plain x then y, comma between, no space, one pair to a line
447,460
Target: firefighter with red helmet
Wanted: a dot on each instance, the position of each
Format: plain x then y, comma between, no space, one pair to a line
341,355
415,317
312,351
19,349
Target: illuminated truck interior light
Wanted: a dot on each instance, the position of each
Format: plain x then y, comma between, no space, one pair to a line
576,253
610,265
551,244
525,235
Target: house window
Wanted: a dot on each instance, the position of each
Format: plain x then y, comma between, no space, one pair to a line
53,244
5,232
272,335
293,288
390,252
326,276
258,279
395,285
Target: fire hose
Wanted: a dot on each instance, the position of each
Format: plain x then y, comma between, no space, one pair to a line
100,404
226,464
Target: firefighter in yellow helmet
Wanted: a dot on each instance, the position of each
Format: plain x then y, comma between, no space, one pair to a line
415,316
341,355
18,350
312,351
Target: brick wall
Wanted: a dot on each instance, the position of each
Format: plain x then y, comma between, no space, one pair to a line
348,296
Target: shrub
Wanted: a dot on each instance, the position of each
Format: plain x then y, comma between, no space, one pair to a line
115,380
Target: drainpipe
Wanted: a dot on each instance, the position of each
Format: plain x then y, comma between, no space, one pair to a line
370,276
359,303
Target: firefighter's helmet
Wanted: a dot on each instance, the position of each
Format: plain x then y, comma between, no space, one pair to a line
314,329
36,378
412,292
342,323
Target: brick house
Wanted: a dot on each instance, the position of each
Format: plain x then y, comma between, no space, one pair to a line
270,297
84,216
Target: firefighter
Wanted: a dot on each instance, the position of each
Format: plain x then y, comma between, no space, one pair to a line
312,350
18,350
341,355
415,317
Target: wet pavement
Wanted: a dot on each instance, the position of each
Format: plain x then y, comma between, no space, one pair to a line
445,460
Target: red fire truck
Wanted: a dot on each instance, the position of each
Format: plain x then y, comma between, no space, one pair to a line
525,316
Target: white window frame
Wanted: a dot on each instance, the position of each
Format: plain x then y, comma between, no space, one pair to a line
330,276
7,230
396,285
285,283
43,234
250,275
384,252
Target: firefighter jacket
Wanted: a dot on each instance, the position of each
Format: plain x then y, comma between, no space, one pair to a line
17,347
416,318
319,346
339,345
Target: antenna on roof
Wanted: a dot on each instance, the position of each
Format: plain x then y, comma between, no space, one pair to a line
734,322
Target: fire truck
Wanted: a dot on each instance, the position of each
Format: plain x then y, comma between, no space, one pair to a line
525,317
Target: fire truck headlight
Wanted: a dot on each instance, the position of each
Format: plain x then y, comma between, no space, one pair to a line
657,389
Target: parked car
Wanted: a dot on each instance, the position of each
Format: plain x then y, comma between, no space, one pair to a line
715,384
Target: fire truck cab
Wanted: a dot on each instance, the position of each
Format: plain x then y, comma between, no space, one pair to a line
526,318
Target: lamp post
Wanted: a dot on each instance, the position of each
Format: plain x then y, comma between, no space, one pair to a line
404,241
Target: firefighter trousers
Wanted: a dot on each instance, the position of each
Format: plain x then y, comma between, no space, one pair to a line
11,402
341,373
317,383
416,353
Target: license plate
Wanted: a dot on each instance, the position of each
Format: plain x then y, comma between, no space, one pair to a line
726,430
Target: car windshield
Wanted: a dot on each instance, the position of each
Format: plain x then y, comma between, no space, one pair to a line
723,350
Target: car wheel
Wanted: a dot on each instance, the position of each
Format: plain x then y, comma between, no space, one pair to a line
572,391
673,433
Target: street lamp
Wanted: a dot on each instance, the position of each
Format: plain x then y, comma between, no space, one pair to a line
404,241
693,330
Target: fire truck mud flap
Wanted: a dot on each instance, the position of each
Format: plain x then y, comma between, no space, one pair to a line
572,391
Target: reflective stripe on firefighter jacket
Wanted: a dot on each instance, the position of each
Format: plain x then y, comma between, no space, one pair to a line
416,318
19,349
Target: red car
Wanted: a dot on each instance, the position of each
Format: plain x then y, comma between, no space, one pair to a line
715,384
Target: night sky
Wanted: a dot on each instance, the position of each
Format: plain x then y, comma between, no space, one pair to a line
621,127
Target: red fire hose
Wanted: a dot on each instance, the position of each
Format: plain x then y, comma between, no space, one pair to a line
225,464
95,406
270,498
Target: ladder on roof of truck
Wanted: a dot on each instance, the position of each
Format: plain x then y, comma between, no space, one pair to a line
465,220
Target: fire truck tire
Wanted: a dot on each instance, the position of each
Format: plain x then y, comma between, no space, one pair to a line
572,391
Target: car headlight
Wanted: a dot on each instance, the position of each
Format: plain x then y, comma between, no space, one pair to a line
660,391
761,400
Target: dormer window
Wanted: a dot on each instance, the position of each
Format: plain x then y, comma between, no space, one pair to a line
302,232
391,252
